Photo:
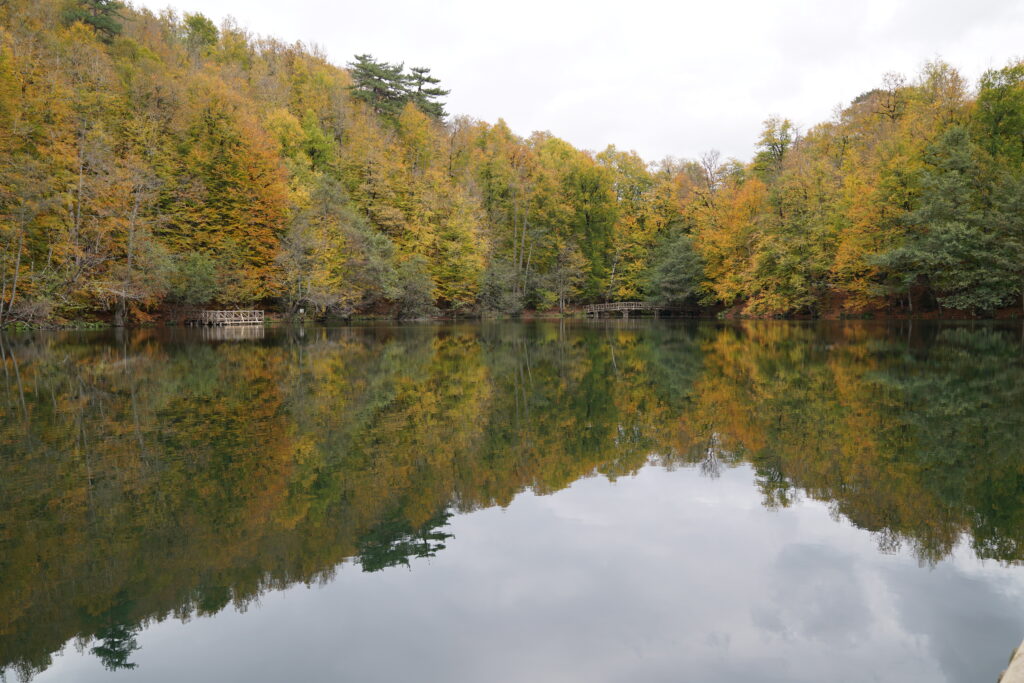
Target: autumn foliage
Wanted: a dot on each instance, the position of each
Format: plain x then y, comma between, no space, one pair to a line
157,161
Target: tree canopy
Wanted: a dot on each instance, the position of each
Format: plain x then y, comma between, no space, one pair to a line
149,161
387,88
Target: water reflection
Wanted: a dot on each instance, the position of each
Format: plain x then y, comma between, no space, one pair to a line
158,474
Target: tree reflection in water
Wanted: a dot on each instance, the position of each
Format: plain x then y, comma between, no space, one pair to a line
153,474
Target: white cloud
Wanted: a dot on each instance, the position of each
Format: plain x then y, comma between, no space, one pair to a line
661,78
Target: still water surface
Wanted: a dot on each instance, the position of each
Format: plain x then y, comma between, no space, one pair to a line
616,501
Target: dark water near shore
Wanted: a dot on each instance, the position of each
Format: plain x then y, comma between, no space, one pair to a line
610,501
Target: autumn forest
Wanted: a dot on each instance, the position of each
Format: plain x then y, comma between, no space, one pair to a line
152,162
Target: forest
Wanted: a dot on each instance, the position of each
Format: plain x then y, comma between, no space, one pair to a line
157,162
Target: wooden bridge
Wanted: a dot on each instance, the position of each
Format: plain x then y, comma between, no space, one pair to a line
220,318
625,307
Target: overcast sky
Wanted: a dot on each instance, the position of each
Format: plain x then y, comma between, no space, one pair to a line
663,78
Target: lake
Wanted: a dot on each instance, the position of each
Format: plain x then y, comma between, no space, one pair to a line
588,501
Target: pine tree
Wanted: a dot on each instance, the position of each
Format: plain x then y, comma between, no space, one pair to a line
676,271
952,245
381,85
102,15
425,94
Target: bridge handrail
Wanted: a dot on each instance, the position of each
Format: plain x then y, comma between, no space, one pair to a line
227,317
618,306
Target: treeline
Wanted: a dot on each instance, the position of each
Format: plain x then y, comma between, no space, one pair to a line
149,161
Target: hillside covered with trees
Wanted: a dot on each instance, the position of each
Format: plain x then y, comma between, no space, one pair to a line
149,162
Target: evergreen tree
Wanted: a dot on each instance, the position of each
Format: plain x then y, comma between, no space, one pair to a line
952,245
676,272
102,15
424,92
383,86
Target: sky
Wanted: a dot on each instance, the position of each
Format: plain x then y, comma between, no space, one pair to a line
661,78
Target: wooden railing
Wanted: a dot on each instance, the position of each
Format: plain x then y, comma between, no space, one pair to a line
619,306
625,307
218,318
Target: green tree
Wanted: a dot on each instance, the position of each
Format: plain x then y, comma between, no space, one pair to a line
383,86
424,92
952,243
568,275
200,34
777,137
676,272
194,279
416,288
102,15
999,114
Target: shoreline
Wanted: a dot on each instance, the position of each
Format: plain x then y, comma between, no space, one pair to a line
277,320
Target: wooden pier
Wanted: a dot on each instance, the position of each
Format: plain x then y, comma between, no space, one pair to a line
626,307
223,318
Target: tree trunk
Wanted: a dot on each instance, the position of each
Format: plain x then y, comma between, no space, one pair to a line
78,198
5,315
515,246
3,288
526,272
121,313
522,252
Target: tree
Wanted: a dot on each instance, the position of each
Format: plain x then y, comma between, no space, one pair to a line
645,207
416,288
457,259
726,236
676,274
952,244
194,279
228,195
382,86
332,260
387,88
999,116
424,93
1007,217
568,275
200,34
141,268
102,15
777,136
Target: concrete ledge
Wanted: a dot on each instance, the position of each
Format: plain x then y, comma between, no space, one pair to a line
1015,672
